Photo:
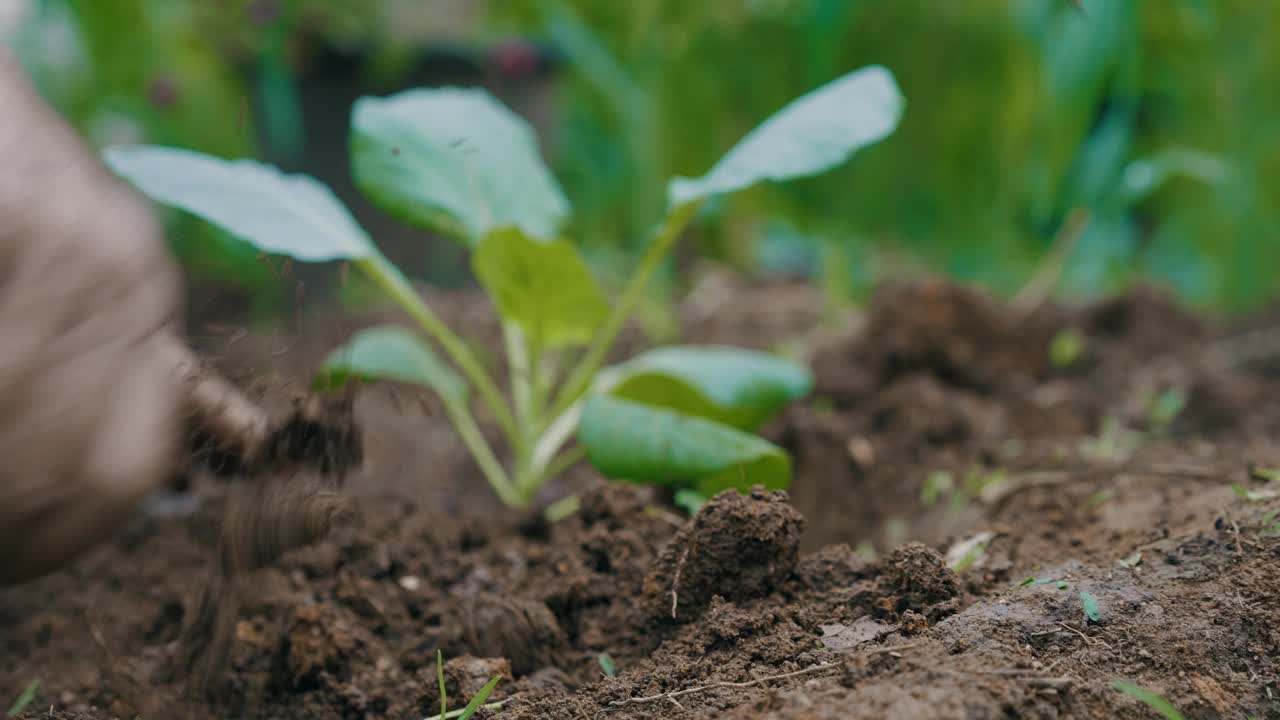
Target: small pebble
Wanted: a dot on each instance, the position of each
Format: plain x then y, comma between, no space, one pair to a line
410,583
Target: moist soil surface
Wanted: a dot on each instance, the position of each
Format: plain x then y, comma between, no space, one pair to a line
995,514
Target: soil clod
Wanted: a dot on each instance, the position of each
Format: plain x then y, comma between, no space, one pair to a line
737,547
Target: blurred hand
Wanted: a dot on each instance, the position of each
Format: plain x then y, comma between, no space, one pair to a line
89,403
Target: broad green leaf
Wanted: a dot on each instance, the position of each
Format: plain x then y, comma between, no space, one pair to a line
454,160
1152,700
544,287
815,132
292,215
630,441
737,387
390,353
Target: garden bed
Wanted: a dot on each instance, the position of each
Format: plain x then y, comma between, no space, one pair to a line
944,431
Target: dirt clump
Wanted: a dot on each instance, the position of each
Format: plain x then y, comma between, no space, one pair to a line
736,547
914,578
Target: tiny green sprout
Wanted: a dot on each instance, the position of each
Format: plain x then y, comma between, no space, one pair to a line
936,484
606,664
1253,496
1271,524
1265,474
1066,348
1165,408
1063,585
689,499
1131,561
472,707
1152,700
458,162
25,699
1036,581
1092,613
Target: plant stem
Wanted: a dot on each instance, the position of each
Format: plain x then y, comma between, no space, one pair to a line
564,461
391,280
580,379
465,425
458,713
556,434
518,366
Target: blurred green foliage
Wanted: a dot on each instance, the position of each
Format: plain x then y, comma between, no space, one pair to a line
1160,117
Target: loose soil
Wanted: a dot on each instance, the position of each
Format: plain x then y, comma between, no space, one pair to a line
943,462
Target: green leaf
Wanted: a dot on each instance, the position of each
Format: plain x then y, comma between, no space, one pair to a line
292,215
813,133
1036,581
390,353
473,707
444,696
454,160
1091,610
27,697
1152,700
741,388
631,441
689,499
607,665
1066,348
545,288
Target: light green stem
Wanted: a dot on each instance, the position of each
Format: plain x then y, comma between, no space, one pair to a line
469,431
580,379
391,280
493,706
564,461
518,365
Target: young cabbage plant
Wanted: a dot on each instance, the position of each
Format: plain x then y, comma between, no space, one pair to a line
458,162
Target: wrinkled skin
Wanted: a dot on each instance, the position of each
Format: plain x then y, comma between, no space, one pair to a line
88,298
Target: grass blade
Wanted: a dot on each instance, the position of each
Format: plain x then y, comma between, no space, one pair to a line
476,702
1152,700
444,698
26,698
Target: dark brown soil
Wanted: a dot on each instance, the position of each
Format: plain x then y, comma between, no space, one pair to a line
760,606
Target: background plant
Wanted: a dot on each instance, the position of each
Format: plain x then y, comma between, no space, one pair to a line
1158,116
457,161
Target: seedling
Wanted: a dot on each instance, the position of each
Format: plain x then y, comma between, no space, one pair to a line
1271,524
472,707
458,162
1253,496
27,697
1152,700
607,665
1165,408
1066,348
1092,613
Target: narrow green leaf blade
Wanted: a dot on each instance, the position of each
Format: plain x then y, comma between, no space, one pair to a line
293,215
473,707
737,387
631,441
444,695
24,700
390,353
1152,700
813,133
454,160
544,287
